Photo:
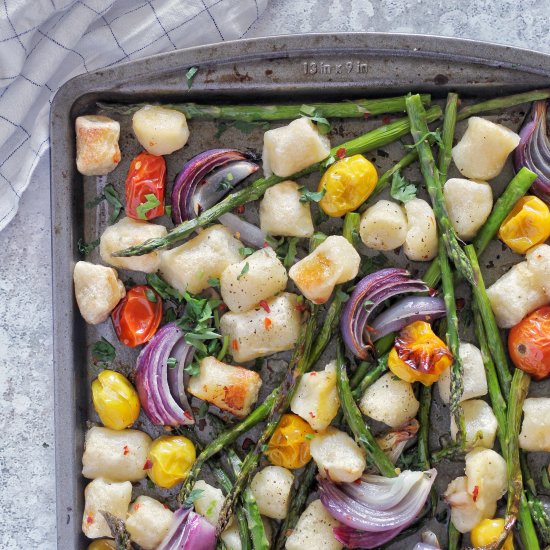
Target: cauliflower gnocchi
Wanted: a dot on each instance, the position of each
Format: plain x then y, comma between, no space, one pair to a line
516,294
98,290
271,488
97,150
257,333
486,470
103,495
483,149
231,389
384,226
535,429
189,266
469,204
282,213
316,398
314,530
128,232
480,423
210,501
118,455
538,261
258,277
148,522
333,262
389,400
292,148
159,130
421,240
337,456
474,378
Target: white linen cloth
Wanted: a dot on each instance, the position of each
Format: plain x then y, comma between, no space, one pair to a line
43,43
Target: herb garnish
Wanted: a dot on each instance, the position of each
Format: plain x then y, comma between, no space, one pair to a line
86,248
172,362
190,76
162,288
311,196
401,189
195,494
244,271
112,197
103,351
151,203
226,182
290,256
246,251
151,296
309,111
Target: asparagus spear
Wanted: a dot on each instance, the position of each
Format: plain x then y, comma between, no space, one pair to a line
517,187
355,421
447,135
118,531
298,366
419,131
457,383
423,432
367,142
248,113
350,229
255,523
454,537
370,377
495,342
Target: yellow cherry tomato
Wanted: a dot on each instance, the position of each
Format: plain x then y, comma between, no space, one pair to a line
102,544
115,400
348,183
289,445
527,225
170,459
487,531
419,355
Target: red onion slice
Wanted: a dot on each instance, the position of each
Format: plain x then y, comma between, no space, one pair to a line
189,531
533,150
406,311
195,171
353,538
369,293
152,380
246,232
365,508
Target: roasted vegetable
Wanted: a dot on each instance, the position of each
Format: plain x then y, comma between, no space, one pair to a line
289,445
169,460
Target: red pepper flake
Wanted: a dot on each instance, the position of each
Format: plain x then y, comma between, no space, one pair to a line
234,344
366,115
240,209
126,450
247,444
166,506
386,119
432,292
265,305
148,464
314,373
267,323
89,519
371,329
136,506
460,303
341,153
222,307
301,307
265,245
475,493
311,414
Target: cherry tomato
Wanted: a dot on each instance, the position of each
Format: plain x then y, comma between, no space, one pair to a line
147,176
137,316
529,343
419,355
289,445
348,183
527,225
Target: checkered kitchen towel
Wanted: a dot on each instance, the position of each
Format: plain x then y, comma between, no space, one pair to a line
43,43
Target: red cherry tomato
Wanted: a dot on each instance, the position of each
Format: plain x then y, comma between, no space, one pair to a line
137,316
529,343
147,176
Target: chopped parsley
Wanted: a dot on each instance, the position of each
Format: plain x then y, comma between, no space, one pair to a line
195,494
309,111
170,315
162,288
246,251
311,196
150,204
342,296
226,182
190,76
290,256
168,210
192,369
432,137
151,296
86,248
172,362
103,351
214,282
401,189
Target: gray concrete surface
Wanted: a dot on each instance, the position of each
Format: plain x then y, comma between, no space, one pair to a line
27,483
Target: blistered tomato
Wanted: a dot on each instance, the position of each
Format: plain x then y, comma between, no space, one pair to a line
289,445
102,544
115,400
527,225
529,343
488,531
146,176
348,183
170,459
419,355
137,316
